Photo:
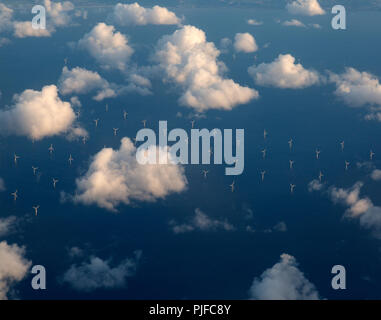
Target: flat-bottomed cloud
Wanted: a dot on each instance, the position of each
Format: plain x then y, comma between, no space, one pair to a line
109,48
116,177
39,114
13,267
190,61
284,73
100,274
245,42
134,14
357,88
283,281
305,7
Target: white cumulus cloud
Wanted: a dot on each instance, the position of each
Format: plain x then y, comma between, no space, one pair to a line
283,281
39,114
201,222
58,15
284,73
6,15
190,61
23,29
315,185
376,175
361,208
245,42
294,23
305,7
7,225
357,88
254,22
100,274
134,14
82,81
115,177
109,48
58,12
13,267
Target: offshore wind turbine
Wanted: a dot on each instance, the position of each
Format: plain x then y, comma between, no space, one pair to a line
36,210
115,131
205,172
371,154
347,163
96,122
51,148
192,122
15,157
321,175
292,187
291,164
265,134
232,186
317,152
84,139
71,159
125,113
263,175
342,145
264,153
15,195
144,123
34,170
54,182
290,143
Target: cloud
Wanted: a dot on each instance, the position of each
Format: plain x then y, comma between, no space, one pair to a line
39,114
201,222
187,59
115,177
375,114
23,29
315,185
294,23
13,267
6,15
363,209
376,175
4,41
280,227
315,25
58,12
109,48
284,73
134,14
284,281
305,7
6,225
100,274
245,42
357,88
225,43
82,81
139,84
254,22
2,185
75,252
